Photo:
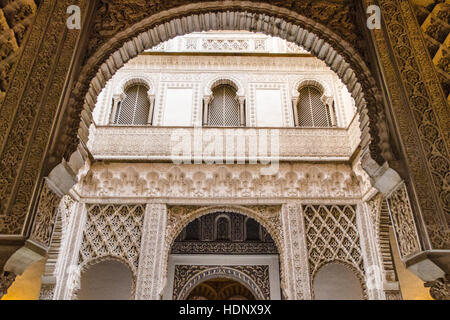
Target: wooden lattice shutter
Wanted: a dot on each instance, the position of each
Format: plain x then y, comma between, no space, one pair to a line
134,109
312,112
224,108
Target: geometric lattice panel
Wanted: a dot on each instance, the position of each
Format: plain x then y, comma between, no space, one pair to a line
312,112
224,110
332,235
112,231
134,109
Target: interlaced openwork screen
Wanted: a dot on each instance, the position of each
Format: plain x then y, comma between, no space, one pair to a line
134,109
332,235
112,231
224,108
312,112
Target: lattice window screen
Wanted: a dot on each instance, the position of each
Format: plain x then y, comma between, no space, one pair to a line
224,108
134,109
332,235
312,112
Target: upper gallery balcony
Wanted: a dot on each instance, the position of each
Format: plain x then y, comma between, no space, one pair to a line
223,144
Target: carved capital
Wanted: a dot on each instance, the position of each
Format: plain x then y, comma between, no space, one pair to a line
119,97
6,280
440,288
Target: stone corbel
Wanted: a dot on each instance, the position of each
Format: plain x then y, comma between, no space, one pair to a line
117,98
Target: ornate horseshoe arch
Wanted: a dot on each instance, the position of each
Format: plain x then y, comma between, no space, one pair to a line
220,272
179,217
265,18
42,126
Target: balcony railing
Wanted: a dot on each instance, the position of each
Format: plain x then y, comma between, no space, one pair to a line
222,145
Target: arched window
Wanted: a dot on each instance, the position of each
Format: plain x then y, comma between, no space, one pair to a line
223,229
336,282
311,110
224,109
252,230
135,108
106,280
193,231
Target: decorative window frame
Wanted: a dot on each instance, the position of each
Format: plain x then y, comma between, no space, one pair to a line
328,96
119,94
230,80
159,111
245,229
240,94
286,110
216,220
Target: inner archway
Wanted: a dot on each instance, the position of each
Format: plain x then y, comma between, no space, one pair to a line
221,289
223,255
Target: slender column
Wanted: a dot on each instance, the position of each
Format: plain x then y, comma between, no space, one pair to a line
369,249
242,110
206,102
295,111
68,275
150,275
117,98
295,255
151,111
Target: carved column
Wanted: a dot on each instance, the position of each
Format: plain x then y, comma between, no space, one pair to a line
44,227
378,222
151,111
372,261
295,111
117,99
206,101
57,248
242,111
151,270
67,276
295,254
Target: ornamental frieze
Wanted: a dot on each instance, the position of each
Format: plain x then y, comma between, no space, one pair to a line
158,180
